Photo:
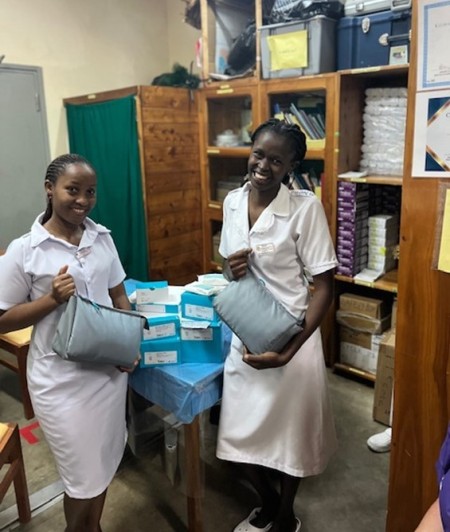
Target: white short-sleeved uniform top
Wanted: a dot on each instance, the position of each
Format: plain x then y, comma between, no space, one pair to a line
80,407
279,418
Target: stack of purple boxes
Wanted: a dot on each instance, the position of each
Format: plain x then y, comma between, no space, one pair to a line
352,227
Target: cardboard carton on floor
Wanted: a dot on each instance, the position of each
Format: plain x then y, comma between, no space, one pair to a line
359,349
382,401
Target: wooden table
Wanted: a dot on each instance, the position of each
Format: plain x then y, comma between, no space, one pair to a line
185,390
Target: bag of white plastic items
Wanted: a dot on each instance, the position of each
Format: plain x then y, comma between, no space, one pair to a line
384,122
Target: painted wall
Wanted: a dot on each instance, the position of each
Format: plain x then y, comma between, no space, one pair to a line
181,36
91,46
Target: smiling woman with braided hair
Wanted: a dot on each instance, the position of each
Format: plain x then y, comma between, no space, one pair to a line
80,407
275,412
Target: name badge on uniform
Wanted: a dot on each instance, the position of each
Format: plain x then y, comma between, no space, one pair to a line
265,249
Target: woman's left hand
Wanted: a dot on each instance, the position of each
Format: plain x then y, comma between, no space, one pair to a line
266,360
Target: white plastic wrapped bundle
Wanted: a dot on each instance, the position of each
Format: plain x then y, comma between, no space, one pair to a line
384,121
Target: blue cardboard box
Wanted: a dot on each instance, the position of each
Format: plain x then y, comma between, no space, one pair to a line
201,344
151,291
167,304
198,307
162,326
373,39
160,352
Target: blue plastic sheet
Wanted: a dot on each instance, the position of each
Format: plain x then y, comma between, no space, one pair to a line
185,390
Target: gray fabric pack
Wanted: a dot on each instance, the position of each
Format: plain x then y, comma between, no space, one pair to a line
89,332
255,316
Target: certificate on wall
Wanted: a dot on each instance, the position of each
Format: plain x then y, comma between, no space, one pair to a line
431,150
433,38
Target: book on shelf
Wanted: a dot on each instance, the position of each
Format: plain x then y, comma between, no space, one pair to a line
310,120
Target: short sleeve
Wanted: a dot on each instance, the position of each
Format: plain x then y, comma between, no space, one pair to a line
116,273
314,245
15,284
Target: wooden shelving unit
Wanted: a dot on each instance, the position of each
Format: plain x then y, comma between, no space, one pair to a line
387,283
352,86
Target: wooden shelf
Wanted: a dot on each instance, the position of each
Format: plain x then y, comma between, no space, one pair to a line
374,180
236,151
388,282
344,368
315,153
377,71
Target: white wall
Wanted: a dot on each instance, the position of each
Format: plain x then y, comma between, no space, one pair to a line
87,46
182,37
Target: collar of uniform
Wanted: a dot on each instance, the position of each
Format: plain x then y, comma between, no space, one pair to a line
279,206
39,234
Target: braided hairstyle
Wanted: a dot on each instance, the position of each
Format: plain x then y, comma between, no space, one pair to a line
58,167
292,132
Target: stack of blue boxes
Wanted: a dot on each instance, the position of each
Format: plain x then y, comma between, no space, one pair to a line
183,326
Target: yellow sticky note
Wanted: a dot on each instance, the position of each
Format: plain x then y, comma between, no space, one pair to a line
289,50
444,250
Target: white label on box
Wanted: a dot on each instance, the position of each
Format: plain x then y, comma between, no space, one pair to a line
162,330
152,309
205,335
150,295
398,55
197,311
161,357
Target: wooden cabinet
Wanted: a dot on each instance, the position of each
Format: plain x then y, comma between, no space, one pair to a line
167,122
351,103
238,106
170,149
233,108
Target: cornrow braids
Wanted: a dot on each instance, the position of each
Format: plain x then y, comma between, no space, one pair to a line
56,168
292,132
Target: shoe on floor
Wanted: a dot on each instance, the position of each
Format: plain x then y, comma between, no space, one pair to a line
246,526
381,442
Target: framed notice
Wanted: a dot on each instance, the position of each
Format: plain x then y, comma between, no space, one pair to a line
431,150
433,37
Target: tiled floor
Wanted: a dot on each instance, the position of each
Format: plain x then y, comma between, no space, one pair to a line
349,497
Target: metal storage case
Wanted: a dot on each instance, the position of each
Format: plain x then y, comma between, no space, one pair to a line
360,7
367,40
321,46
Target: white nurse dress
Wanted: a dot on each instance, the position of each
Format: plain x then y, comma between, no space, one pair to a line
80,408
279,418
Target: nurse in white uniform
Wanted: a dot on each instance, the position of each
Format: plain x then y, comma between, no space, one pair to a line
275,408
80,408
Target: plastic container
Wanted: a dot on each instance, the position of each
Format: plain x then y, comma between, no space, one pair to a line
321,32
373,40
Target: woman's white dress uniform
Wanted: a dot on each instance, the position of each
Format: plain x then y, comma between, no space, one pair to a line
80,407
279,418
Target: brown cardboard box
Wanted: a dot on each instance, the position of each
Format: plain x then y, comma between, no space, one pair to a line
359,349
362,323
394,313
364,306
382,401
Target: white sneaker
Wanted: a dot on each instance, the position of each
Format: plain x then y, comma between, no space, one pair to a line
381,442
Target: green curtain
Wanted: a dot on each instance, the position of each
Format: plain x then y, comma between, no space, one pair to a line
106,134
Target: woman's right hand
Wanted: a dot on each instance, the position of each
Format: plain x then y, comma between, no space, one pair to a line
238,263
63,286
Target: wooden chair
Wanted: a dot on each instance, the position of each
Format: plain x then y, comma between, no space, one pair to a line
11,453
17,343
